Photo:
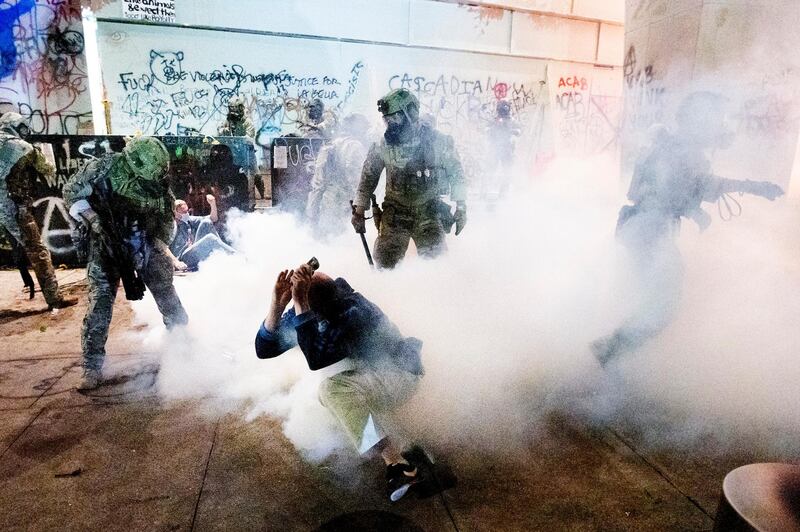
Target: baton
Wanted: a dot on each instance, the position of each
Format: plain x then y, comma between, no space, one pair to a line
364,241
366,249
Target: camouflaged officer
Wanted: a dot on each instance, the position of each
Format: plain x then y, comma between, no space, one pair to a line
337,171
125,204
319,123
21,166
236,124
420,163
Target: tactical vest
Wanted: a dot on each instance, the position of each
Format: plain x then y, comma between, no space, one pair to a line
104,199
412,171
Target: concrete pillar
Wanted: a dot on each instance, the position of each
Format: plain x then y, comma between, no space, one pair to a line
744,50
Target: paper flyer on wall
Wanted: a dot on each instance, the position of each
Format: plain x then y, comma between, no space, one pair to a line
150,10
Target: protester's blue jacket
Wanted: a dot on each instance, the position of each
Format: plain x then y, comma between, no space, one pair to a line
359,330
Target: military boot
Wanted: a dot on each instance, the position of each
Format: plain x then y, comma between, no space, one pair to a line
63,302
91,379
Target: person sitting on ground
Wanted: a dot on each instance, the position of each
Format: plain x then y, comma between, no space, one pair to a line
331,322
196,238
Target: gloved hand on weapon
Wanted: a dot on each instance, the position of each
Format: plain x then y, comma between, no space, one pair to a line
93,222
764,189
460,216
358,220
95,227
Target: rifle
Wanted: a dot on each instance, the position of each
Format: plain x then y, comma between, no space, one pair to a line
117,250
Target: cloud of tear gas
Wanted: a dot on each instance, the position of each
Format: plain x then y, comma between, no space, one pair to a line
507,316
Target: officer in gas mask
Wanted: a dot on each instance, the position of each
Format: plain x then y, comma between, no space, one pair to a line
21,166
124,202
420,163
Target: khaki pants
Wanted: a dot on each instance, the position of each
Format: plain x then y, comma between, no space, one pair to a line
362,400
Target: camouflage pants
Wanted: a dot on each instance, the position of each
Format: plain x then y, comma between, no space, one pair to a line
400,224
104,279
22,225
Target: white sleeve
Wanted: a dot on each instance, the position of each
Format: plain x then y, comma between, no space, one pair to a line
78,208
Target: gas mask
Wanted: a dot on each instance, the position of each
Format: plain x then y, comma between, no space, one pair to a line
315,110
396,126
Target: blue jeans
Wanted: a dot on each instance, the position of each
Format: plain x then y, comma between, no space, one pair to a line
207,241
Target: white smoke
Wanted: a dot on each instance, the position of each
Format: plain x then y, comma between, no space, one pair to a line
506,317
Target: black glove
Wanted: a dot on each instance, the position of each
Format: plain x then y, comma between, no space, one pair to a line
460,217
359,222
95,226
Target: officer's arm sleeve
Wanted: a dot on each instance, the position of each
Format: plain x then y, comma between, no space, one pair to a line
41,164
455,173
165,228
370,175
317,184
77,190
712,187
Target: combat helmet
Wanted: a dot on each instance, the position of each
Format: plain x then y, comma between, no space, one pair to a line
15,124
147,157
400,100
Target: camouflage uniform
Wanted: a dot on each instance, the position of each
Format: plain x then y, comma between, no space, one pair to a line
322,128
336,175
236,124
243,128
21,165
501,133
417,171
144,219
670,182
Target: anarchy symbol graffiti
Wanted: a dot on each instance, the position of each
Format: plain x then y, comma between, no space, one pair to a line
49,234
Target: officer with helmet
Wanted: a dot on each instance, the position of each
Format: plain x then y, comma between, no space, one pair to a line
236,124
501,134
124,202
671,181
420,162
21,166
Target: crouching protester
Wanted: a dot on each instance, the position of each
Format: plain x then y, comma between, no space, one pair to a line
331,322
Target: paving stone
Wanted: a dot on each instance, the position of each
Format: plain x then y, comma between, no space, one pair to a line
122,467
23,382
257,481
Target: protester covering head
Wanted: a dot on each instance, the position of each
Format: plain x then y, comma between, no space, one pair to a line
323,296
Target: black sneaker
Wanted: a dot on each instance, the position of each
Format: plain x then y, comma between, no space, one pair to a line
433,477
399,479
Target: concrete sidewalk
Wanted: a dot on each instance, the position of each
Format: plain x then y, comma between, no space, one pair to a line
122,459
